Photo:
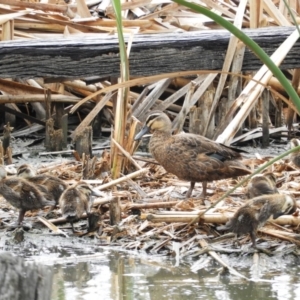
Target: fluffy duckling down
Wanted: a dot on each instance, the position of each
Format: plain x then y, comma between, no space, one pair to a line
52,186
76,200
21,194
191,157
255,213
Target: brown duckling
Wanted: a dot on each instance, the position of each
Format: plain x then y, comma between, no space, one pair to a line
191,157
21,194
262,184
76,200
51,185
255,213
295,156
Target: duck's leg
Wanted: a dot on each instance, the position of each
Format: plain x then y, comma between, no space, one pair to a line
21,216
253,238
190,190
204,186
88,220
73,229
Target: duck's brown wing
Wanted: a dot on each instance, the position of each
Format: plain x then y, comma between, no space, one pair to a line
195,158
197,144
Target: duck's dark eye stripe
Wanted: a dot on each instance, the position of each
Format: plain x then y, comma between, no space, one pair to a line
152,117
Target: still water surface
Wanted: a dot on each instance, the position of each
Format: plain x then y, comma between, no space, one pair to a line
109,274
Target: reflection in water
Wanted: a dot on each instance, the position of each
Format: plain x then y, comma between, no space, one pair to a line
115,275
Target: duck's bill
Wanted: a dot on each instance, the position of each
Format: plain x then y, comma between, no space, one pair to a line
143,131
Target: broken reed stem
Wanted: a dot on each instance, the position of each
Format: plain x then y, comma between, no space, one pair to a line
126,154
272,161
151,205
216,257
37,98
281,236
122,179
214,218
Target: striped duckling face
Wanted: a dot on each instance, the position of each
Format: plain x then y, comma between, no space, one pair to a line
289,205
86,189
25,171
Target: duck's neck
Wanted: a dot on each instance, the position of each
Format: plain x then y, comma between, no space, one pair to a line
158,141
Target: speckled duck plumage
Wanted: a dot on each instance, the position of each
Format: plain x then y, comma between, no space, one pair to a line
191,157
295,156
21,194
76,200
262,184
52,186
255,213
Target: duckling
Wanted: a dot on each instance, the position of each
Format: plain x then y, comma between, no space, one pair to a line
21,194
191,157
295,156
262,184
50,185
75,200
255,213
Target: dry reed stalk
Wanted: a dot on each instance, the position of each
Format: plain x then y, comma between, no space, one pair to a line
81,85
51,226
215,218
127,155
232,45
37,98
89,118
275,13
215,256
256,11
129,5
119,133
82,9
280,235
150,205
275,84
149,100
38,6
178,94
122,179
178,122
250,94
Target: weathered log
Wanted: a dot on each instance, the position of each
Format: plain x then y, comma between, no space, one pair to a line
83,142
150,54
21,280
54,138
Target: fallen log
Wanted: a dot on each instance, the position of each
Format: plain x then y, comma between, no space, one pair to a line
98,55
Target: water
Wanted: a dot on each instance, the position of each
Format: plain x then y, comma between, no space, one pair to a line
109,274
